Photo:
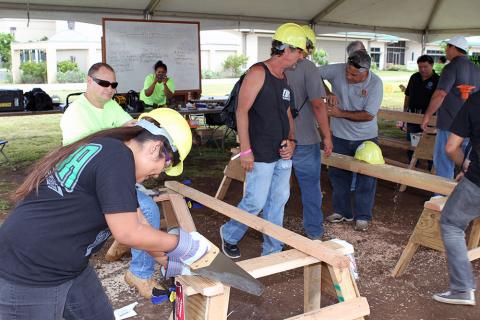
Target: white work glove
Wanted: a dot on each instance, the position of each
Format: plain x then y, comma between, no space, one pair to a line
175,268
191,246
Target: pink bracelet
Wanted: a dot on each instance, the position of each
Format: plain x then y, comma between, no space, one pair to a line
244,153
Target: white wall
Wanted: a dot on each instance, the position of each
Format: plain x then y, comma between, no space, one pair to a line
81,57
216,46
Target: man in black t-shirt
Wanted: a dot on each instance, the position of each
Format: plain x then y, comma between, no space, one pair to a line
419,91
463,205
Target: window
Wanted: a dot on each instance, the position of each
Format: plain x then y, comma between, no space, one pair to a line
375,54
436,54
73,58
33,55
13,30
396,52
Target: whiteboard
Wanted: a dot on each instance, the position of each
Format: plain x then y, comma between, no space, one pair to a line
132,47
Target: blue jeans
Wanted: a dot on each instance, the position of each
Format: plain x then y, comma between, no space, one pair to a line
306,162
444,166
142,264
463,205
82,298
267,188
360,207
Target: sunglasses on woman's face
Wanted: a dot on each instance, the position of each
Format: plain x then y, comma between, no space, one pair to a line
168,159
105,83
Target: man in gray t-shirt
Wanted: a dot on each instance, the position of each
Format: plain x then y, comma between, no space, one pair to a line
359,93
447,100
309,93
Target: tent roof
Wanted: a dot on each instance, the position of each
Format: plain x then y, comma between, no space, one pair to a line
407,18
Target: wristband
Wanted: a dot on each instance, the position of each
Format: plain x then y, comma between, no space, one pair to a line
241,154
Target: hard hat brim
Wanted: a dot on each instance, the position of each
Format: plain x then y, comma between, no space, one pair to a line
175,171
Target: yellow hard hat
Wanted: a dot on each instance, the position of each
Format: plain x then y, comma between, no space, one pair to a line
369,152
291,34
311,38
178,130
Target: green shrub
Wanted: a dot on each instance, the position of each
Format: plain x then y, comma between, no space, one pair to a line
33,72
71,76
210,74
234,62
67,65
319,57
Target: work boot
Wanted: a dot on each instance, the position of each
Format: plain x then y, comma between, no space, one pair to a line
144,286
116,251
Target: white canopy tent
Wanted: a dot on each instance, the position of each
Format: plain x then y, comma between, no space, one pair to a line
419,20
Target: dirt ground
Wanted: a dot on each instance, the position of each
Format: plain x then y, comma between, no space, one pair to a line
376,252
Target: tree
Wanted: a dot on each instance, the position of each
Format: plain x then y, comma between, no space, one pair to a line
6,40
320,57
234,62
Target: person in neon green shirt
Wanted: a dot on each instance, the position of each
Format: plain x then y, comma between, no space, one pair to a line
94,110
157,87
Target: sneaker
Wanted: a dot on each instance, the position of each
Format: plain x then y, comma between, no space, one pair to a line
116,251
361,225
456,297
230,250
337,217
144,286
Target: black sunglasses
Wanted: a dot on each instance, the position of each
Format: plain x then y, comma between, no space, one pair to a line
353,62
105,83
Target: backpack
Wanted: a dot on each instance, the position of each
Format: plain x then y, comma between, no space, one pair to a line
37,100
228,115
134,104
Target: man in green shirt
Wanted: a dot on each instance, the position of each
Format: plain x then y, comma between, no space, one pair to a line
94,111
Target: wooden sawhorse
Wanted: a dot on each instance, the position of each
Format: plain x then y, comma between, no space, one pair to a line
427,234
205,299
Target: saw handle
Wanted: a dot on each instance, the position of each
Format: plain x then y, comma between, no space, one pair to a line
207,258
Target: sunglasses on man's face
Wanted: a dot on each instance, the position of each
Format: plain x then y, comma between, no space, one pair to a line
105,83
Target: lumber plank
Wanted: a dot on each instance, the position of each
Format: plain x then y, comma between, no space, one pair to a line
273,263
312,287
436,204
474,254
196,284
315,249
217,306
348,310
474,237
409,117
412,178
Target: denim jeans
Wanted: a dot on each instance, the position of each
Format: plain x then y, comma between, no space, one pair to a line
142,264
306,163
267,188
444,166
358,203
463,205
82,298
